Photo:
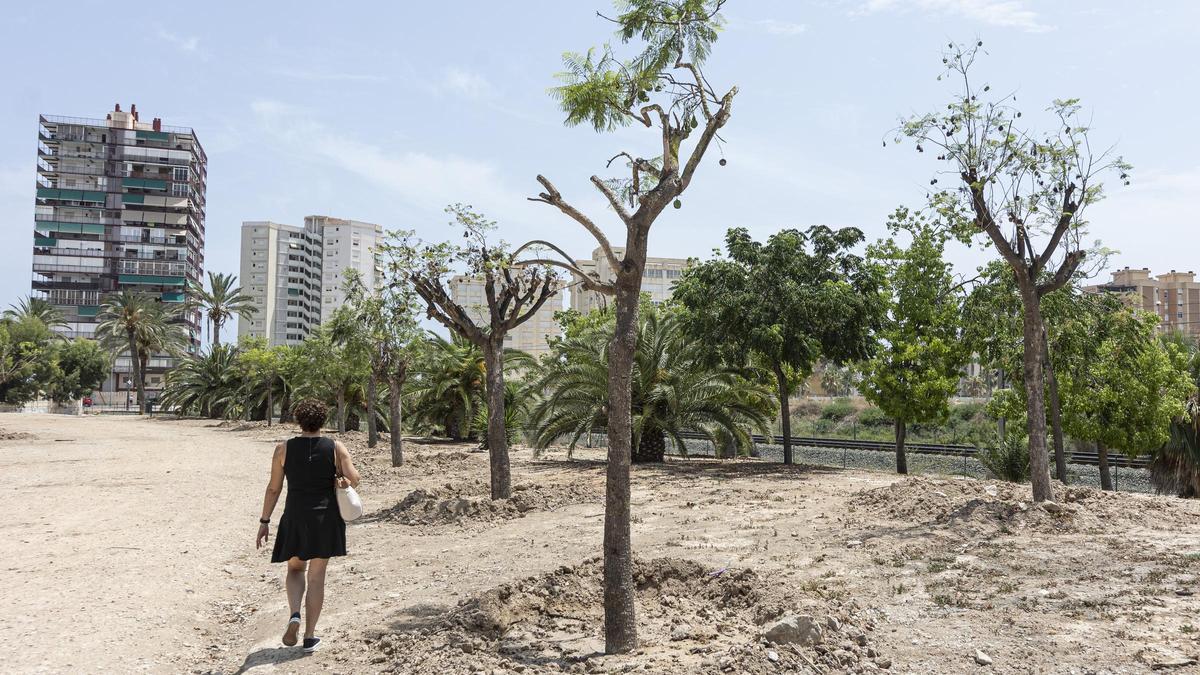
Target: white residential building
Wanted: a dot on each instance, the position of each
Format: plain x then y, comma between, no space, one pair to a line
658,279
295,275
347,244
531,336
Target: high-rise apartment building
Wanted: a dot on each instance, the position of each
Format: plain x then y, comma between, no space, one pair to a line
658,279
295,275
1174,297
532,336
119,206
281,272
347,244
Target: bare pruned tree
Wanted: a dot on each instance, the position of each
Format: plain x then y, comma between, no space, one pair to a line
512,293
1026,191
662,88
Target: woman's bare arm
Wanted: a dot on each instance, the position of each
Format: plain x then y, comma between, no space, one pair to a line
274,489
346,464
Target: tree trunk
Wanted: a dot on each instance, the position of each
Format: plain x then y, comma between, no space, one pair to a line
497,434
901,458
216,333
650,448
270,402
785,412
1002,423
138,373
1035,399
394,384
1106,481
285,406
1060,455
620,627
372,425
341,409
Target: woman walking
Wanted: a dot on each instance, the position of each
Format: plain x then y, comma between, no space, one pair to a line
311,530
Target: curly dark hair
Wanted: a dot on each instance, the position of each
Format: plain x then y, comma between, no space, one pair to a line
310,414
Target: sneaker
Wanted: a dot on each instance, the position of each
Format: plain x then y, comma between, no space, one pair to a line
311,644
293,628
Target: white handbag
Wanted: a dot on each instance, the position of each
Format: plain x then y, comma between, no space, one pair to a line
349,503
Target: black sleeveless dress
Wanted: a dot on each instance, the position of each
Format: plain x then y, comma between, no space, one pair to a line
311,526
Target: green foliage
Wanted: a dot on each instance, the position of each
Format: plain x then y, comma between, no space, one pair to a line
80,366
1006,458
220,302
209,384
516,412
917,370
675,387
873,417
1175,468
838,410
446,386
36,308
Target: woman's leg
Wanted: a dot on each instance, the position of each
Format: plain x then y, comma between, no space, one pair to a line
295,584
316,594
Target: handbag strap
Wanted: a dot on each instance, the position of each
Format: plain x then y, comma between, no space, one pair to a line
337,471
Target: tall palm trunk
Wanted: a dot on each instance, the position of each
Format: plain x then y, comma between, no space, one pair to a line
394,384
138,373
216,332
497,434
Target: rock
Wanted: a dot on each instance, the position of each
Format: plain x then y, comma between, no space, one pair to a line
982,658
799,629
772,655
883,663
853,543
1179,662
991,490
681,632
832,623
1051,507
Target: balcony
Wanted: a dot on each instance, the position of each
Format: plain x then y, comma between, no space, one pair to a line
160,268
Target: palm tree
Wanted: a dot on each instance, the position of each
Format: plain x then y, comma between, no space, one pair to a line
446,385
675,390
1175,467
124,316
36,308
223,299
210,385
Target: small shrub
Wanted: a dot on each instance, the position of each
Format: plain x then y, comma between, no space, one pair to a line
1007,459
838,410
875,418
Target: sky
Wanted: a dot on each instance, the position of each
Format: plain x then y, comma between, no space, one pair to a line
388,112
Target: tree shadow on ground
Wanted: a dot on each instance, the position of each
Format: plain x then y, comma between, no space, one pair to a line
694,467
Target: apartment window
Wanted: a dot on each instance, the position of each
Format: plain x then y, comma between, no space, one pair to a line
1179,315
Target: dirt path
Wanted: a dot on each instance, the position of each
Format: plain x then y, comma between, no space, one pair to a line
142,530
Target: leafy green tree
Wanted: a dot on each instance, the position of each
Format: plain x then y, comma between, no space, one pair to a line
677,388
661,87
25,363
799,297
513,294
220,302
262,369
917,370
1127,395
1175,467
337,360
1027,192
81,366
388,317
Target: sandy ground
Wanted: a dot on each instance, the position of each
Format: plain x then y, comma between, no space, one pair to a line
130,549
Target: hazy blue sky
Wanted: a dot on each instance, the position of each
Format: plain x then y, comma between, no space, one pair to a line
386,112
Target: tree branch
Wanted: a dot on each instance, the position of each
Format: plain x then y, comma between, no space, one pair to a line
1063,274
713,124
612,199
553,197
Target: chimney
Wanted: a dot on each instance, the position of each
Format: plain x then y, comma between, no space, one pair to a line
117,108
157,124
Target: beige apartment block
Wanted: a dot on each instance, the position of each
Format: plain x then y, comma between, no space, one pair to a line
295,276
532,336
658,279
1174,297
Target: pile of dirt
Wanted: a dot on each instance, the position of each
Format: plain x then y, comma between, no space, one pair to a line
471,502
6,435
975,504
691,619
378,467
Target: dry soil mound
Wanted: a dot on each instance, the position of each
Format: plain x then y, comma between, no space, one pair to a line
470,501
15,435
974,504
691,619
